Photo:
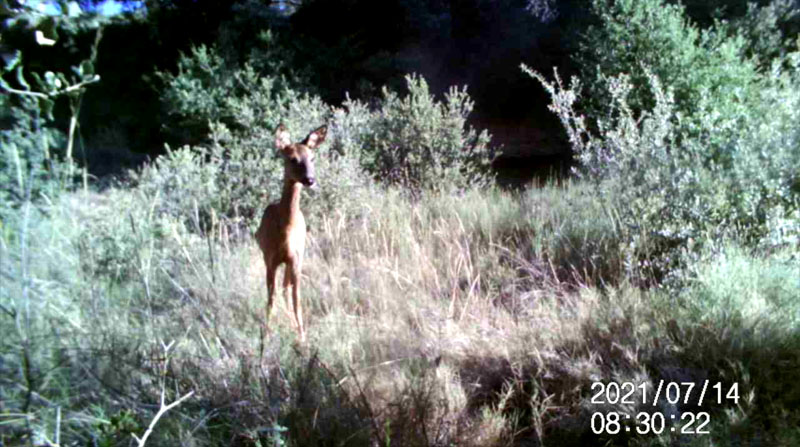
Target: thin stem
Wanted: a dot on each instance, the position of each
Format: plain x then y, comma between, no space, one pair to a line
54,94
163,409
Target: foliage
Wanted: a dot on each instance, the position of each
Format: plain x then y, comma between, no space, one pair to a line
717,75
414,141
35,158
26,165
635,36
753,299
238,171
420,143
200,87
36,164
209,81
770,31
545,10
205,90
119,428
693,141
436,351
668,184
70,17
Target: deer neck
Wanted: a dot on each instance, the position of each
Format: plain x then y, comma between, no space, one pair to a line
290,198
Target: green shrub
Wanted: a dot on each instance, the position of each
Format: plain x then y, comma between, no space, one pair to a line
238,171
692,142
738,314
28,149
36,157
770,31
414,141
665,182
200,87
184,179
731,284
635,37
420,143
208,87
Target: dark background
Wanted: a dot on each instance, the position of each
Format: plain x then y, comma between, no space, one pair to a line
343,46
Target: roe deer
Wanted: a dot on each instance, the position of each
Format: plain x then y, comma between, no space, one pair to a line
282,233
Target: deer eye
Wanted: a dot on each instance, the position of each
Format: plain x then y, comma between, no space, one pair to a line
295,160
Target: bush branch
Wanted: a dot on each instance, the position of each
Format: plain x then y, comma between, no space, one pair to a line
162,409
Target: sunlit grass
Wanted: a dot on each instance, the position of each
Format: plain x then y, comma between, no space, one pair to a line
481,319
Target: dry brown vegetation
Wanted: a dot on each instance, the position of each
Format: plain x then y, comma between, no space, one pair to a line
474,320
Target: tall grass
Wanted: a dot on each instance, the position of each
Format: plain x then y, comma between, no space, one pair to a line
481,319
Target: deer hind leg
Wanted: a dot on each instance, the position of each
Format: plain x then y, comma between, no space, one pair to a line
272,284
293,273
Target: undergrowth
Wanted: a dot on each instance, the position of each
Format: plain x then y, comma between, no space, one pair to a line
481,319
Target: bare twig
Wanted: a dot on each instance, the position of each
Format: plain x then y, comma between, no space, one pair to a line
163,407
63,91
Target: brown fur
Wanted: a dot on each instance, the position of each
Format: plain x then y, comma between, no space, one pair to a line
282,233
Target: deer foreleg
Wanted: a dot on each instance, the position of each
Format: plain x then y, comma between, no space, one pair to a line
287,282
272,284
293,272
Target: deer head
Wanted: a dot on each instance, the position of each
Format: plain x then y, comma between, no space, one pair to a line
299,157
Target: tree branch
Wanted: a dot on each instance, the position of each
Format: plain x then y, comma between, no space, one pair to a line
163,409
56,93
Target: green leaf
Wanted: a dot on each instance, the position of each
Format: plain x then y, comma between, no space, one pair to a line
46,106
61,81
21,79
87,67
50,81
38,80
48,32
85,70
12,59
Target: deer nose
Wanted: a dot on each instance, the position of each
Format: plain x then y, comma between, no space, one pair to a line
310,181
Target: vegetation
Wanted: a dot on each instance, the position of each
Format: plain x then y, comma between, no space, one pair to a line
690,159
441,310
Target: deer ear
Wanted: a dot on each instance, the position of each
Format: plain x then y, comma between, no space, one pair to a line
282,138
316,137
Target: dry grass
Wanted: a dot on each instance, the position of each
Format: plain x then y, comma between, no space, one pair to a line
474,320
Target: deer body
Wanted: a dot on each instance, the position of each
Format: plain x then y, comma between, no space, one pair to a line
282,233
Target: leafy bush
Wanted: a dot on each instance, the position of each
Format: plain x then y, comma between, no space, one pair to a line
35,157
733,285
693,141
207,89
27,154
768,30
637,36
238,171
420,143
413,141
738,314
186,180
199,90
666,185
